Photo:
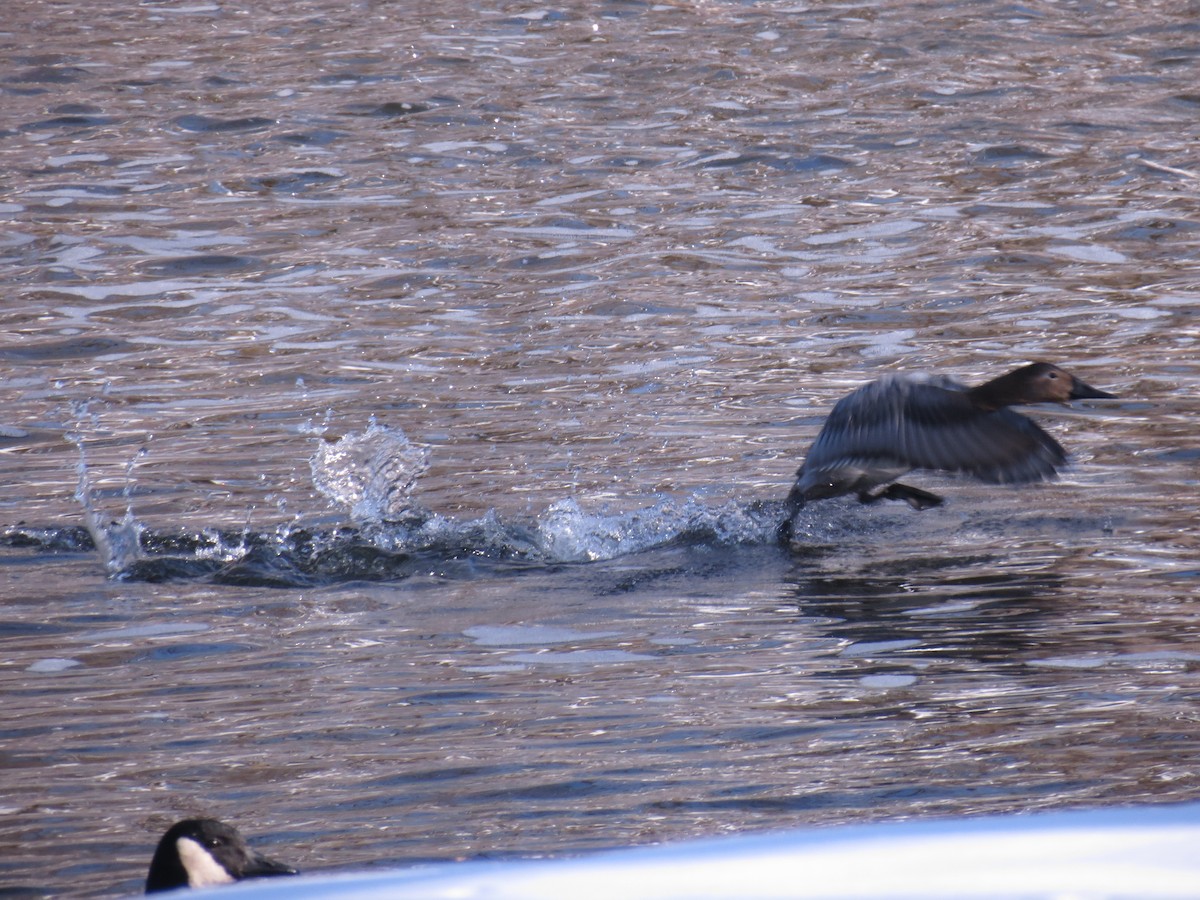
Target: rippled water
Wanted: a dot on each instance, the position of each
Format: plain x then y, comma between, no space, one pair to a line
395,397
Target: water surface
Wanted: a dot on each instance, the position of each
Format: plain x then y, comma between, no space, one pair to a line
395,397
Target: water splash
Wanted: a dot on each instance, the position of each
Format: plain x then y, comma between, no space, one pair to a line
118,541
370,474
567,533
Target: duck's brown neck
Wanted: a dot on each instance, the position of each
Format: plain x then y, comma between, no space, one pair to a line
999,392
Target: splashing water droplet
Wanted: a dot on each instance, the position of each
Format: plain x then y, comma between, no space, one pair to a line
119,542
370,474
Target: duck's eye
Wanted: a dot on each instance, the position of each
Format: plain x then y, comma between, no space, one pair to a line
1051,374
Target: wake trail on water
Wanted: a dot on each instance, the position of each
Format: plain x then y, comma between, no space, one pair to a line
372,476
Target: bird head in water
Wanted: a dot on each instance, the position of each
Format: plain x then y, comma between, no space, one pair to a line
204,853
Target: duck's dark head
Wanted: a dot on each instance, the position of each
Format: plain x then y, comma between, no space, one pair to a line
1038,382
205,853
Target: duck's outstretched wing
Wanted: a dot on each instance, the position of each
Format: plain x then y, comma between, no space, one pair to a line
932,424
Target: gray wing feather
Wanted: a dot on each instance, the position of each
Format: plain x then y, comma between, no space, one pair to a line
933,424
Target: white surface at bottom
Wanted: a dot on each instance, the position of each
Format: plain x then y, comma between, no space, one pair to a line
1151,852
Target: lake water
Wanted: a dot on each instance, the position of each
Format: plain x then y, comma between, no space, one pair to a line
395,397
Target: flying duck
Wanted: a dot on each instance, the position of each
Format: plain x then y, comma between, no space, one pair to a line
903,422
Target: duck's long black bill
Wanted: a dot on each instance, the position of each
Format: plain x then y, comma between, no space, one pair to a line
262,867
1081,391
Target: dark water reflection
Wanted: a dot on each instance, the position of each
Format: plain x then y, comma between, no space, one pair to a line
681,691
608,265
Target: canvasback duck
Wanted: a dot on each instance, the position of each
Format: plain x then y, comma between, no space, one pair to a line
903,422
205,853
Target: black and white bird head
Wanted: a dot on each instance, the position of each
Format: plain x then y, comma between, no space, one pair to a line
200,853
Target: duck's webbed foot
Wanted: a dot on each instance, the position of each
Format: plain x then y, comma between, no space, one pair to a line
914,497
793,505
783,534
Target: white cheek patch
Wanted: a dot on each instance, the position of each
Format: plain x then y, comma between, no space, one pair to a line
202,870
